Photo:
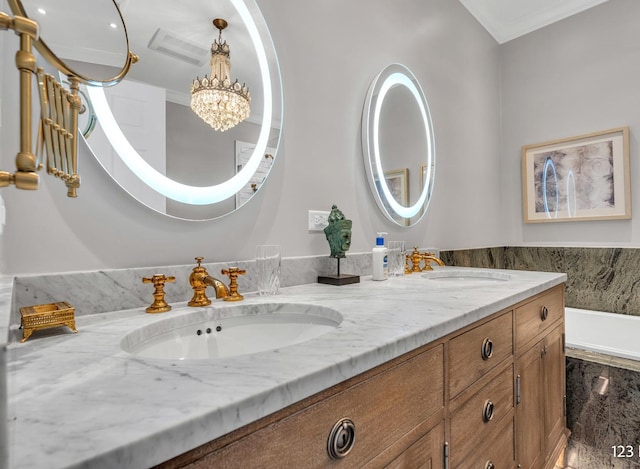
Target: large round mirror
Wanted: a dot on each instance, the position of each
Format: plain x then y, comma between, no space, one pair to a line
85,39
398,145
146,135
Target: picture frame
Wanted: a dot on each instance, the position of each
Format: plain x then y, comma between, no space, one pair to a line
579,178
398,182
423,175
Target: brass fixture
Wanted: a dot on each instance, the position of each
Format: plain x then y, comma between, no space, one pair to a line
431,257
59,108
159,305
25,176
216,100
416,258
199,280
33,318
233,273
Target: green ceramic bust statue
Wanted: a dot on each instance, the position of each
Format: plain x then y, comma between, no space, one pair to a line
338,233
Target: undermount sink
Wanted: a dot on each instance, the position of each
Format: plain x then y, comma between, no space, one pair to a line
467,275
231,331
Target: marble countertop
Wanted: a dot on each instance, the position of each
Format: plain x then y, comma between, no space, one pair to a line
79,400
6,285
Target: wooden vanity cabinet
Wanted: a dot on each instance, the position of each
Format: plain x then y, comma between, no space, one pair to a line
490,395
541,432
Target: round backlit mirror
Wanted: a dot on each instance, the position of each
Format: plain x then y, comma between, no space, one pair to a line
398,145
85,39
147,137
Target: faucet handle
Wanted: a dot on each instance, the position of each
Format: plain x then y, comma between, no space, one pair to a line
159,305
233,273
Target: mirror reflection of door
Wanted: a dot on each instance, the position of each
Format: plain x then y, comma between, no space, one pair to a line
244,150
140,111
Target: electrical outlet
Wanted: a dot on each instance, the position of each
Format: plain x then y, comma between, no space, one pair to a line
317,220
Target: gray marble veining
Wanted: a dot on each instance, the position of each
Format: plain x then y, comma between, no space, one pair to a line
603,411
601,279
112,290
79,400
6,295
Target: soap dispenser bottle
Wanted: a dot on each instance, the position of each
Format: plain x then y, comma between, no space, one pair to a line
379,254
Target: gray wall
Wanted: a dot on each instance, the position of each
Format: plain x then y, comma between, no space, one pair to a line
326,68
571,78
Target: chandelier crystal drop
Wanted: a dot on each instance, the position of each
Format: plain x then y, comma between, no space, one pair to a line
217,101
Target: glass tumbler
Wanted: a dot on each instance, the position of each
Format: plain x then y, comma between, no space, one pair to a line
396,253
268,269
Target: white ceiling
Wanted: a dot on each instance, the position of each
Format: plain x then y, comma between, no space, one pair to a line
509,19
93,41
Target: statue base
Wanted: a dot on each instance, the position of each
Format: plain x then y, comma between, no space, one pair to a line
339,280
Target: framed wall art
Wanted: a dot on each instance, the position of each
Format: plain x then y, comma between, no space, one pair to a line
579,178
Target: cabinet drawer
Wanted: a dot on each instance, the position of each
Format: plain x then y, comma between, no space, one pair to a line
426,453
475,352
383,408
479,410
498,451
539,314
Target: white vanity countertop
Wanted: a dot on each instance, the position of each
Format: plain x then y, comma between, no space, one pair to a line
6,285
78,400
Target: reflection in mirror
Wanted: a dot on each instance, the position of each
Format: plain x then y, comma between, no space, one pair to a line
398,145
95,48
148,138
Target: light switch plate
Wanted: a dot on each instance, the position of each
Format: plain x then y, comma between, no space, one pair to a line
317,220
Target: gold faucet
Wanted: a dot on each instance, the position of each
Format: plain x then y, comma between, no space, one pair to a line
428,257
200,280
416,258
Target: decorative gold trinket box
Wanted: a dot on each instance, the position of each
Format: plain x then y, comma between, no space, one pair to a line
45,316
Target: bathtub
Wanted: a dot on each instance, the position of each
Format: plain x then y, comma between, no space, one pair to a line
616,335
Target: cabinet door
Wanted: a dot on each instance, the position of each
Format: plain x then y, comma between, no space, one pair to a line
554,380
529,408
426,453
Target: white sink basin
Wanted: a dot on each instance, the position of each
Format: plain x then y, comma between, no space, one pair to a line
467,275
231,331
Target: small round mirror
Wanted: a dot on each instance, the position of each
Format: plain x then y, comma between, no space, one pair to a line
84,39
398,145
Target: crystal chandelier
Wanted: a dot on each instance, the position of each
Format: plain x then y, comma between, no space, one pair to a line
217,101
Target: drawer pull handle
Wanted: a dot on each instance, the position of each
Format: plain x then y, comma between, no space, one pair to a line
487,348
489,465
544,313
487,411
341,439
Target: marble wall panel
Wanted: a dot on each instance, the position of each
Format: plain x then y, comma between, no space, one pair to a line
601,279
603,410
114,290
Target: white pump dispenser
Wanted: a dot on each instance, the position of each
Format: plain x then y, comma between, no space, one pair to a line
379,254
